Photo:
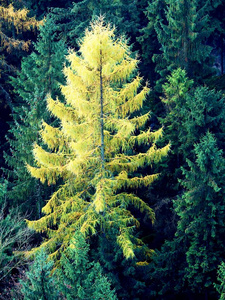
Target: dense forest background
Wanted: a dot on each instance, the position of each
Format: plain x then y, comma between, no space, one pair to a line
112,178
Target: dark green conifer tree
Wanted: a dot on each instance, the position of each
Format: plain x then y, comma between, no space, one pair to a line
40,8
182,28
189,113
127,276
72,22
175,94
188,263
39,283
41,73
78,277
150,45
205,110
75,278
16,30
43,68
220,287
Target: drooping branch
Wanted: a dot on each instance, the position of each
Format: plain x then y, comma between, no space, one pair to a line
101,114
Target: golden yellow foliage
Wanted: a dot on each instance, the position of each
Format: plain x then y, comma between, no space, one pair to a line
93,149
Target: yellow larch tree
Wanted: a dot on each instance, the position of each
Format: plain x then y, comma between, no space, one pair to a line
16,22
93,149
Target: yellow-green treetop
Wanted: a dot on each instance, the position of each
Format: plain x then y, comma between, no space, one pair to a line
93,149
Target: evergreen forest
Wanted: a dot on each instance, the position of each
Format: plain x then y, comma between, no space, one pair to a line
112,149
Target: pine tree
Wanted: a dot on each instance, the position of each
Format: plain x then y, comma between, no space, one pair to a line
94,150
41,73
40,284
79,278
189,262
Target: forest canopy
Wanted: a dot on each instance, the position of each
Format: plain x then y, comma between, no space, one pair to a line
112,149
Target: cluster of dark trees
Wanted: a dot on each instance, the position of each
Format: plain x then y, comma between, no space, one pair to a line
179,253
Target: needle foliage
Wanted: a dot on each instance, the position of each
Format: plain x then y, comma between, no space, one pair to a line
93,150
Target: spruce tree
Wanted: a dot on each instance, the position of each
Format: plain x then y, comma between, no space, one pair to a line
204,111
79,278
75,278
201,213
39,283
43,67
94,149
41,73
189,112
14,23
72,21
182,29
176,89
189,262
150,45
